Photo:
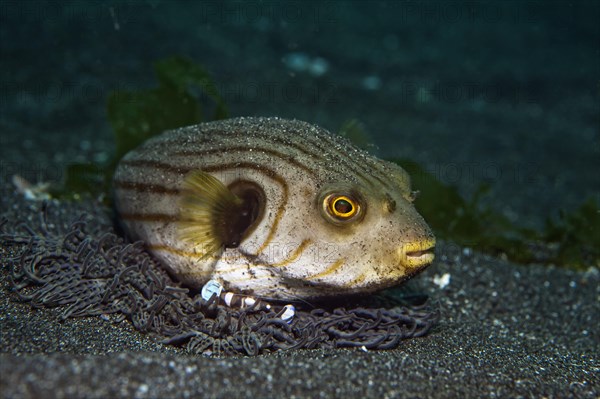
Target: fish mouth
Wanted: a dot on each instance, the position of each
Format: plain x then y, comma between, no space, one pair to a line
418,254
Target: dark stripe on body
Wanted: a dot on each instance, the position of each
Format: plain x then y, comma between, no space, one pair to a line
168,167
251,150
149,217
330,140
146,188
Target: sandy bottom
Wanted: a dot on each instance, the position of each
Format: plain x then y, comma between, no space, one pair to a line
505,330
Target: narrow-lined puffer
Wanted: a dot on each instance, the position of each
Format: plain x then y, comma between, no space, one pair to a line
273,208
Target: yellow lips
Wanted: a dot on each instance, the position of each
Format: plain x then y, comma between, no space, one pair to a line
417,254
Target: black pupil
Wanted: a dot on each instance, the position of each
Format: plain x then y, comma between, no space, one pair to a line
343,206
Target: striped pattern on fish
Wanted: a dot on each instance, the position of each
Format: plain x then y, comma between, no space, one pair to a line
274,208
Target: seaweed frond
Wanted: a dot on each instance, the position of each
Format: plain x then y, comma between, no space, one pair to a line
571,241
184,90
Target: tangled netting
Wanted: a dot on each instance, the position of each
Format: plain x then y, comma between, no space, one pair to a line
99,273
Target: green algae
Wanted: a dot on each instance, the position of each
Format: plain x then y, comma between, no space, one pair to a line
576,236
184,92
571,240
469,222
355,131
138,115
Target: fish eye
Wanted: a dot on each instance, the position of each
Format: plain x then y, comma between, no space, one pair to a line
341,207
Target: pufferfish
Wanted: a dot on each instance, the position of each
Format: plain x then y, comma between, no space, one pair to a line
273,208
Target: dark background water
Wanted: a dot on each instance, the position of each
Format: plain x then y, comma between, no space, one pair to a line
505,92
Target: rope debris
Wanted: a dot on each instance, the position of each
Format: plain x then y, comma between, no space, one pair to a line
90,273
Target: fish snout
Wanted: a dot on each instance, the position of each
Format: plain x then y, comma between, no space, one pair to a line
417,254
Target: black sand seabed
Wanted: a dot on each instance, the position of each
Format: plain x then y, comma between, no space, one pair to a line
505,331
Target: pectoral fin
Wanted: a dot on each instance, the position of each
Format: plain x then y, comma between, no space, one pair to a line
207,213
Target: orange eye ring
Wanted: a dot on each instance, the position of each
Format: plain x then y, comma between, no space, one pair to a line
341,207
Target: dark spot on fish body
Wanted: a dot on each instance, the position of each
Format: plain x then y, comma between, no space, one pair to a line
390,203
241,222
307,192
